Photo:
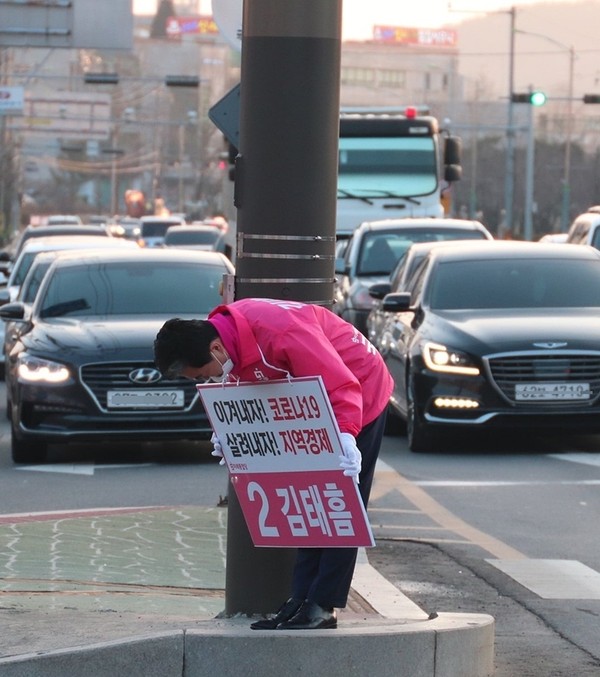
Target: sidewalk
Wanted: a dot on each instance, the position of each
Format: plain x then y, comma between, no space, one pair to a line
137,591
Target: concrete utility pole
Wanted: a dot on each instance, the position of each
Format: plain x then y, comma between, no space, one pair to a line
529,174
285,194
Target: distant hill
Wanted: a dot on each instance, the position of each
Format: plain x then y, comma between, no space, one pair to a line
542,62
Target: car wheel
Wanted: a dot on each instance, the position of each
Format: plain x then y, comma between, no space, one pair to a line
25,451
419,439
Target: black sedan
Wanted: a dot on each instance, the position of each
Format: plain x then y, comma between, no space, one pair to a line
82,368
400,279
496,335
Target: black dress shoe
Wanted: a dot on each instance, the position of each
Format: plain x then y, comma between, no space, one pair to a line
310,616
286,611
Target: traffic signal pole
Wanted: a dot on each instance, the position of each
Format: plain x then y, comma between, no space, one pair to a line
285,194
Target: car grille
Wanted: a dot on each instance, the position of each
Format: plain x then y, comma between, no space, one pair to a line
104,376
509,370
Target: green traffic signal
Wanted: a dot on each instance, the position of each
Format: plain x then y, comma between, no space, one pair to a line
537,98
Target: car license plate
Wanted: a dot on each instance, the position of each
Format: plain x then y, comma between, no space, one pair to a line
144,399
552,391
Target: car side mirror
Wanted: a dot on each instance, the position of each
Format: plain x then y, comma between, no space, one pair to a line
13,312
379,290
392,303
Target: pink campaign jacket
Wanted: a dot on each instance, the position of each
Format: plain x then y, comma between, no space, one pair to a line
273,338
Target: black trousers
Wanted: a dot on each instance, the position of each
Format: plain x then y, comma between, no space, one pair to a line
324,575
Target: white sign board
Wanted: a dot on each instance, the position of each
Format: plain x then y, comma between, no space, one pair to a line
84,24
282,448
11,100
68,115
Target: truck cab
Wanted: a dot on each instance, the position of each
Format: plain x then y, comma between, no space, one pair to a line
392,164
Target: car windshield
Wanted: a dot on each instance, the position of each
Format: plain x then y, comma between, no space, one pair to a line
381,250
158,229
192,237
386,166
515,283
132,288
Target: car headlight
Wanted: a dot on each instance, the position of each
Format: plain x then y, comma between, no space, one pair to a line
35,369
440,358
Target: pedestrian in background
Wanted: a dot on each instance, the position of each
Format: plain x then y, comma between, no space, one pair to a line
265,339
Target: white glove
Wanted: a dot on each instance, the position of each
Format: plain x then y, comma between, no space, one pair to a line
351,459
217,449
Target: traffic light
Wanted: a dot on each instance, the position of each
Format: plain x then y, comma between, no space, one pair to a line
536,98
232,153
227,159
101,78
93,78
591,98
182,80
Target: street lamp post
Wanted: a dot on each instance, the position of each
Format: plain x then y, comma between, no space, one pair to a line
566,180
509,176
529,175
180,200
509,180
191,122
114,153
566,186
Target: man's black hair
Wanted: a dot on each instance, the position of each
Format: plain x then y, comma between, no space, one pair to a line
183,343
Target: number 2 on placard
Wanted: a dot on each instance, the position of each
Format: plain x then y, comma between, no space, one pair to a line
253,489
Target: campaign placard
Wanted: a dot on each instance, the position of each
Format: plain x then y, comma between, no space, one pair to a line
282,448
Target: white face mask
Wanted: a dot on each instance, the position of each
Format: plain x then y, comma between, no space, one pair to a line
226,366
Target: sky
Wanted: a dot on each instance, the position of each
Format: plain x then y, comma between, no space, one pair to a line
359,16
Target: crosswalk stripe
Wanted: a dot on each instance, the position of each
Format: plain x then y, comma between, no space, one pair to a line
552,578
586,459
504,483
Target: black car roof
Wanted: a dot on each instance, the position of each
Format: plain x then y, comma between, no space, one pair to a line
511,249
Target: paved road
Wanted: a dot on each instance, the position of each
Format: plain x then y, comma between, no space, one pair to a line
501,529
122,570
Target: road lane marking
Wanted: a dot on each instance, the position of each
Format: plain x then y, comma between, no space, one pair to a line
403,511
79,468
65,468
552,578
587,459
549,579
387,479
503,483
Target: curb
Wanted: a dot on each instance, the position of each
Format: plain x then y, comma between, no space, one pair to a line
399,639
451,645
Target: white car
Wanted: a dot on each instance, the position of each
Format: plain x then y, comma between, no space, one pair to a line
153,229
375,248
44,244
64,220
